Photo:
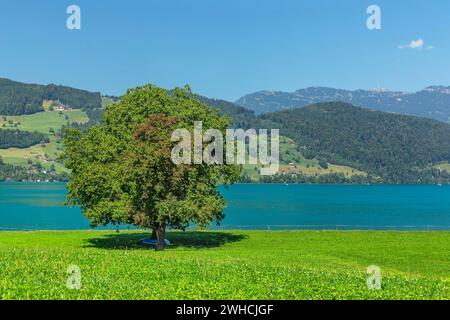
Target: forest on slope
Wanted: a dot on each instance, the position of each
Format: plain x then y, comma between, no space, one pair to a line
395,148
18,98
14,138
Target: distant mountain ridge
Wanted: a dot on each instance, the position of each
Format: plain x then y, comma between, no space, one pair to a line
432,102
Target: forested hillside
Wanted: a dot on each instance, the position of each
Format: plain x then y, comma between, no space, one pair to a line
239,116
391,148
329,142
75,98
395,148
95,117
20,98
20,139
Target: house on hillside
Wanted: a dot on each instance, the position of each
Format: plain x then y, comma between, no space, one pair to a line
62,107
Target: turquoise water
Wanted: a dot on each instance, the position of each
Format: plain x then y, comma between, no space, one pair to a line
29,206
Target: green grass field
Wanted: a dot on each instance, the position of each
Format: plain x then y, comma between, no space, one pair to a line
41,122
226,265
444,166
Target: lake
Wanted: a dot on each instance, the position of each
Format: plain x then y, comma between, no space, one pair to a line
31,206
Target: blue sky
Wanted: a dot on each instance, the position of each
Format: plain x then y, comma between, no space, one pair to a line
226,49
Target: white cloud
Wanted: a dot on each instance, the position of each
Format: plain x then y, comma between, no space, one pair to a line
416,44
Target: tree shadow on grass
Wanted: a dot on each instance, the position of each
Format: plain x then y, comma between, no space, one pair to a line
178,239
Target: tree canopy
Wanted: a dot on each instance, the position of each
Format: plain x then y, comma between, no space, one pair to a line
14,138
122,172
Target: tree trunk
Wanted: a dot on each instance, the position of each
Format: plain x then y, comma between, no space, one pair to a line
153,234
160,237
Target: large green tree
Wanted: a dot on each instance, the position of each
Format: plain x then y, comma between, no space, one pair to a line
122,171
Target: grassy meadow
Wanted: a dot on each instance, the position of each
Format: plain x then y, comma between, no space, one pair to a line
41,122
444,166
225,265
44,121
292,161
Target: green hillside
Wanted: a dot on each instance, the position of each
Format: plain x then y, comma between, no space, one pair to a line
44,121
395,148
20,139
239,116
47,124
293,165
18,98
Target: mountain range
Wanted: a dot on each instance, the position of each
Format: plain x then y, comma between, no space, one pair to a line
432,102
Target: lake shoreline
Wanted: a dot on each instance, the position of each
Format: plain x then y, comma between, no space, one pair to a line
40,206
